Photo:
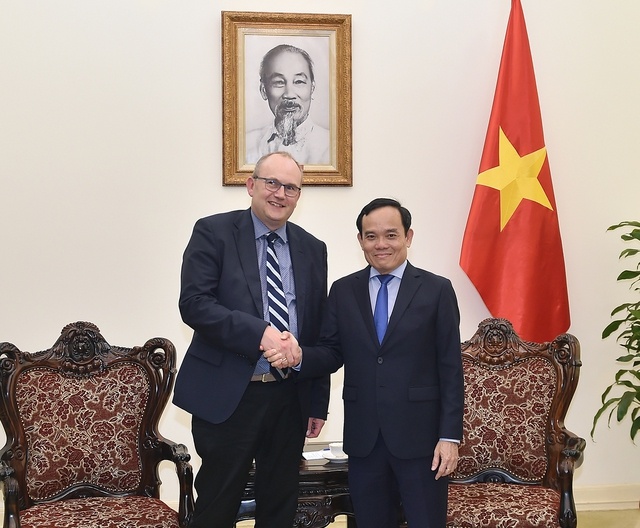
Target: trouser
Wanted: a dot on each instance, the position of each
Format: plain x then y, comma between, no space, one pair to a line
380,482
265,427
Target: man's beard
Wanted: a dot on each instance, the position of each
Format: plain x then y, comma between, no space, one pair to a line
286,122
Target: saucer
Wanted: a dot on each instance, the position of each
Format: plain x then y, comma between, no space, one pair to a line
332,458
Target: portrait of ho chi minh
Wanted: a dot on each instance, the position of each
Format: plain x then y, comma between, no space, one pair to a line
287,84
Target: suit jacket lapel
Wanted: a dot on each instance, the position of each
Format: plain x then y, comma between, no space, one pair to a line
300,276
408,288
246,244
363,300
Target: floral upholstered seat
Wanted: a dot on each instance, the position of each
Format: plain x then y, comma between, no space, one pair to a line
82,442
516,459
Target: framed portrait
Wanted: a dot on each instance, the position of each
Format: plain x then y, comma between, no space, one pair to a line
286,86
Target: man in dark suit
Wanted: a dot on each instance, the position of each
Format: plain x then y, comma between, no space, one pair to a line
241,410
403,386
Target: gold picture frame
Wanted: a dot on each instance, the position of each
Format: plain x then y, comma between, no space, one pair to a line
324,42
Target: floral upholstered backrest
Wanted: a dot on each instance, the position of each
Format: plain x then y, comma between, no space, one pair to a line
505,417
82,429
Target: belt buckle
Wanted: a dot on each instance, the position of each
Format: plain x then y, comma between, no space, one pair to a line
264,379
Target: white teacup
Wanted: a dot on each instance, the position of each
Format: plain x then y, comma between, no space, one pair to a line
335,448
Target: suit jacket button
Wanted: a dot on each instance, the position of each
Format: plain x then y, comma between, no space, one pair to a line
380,361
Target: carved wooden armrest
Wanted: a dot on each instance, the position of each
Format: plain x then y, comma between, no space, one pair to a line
573,449
570,458
179,455
10,492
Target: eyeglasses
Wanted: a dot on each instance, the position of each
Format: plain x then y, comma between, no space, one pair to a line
274,185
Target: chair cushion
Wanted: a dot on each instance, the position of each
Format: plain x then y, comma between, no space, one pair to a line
502,506
505,417
101,512
82,430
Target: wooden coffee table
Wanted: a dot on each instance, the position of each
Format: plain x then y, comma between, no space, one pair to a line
323,495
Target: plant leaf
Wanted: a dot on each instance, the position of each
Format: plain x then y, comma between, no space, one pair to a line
629,252
635,427
612,327
601,411
626,223
633,235
621,308
627,358
625,402
628,274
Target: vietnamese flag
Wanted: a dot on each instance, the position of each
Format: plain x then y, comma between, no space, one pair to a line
511,249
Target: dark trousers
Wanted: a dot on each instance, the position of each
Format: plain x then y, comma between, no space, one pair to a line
266,427
379,482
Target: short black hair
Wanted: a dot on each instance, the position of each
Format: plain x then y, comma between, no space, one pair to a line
377,203
282,48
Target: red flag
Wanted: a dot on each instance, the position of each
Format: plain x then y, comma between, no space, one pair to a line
511,249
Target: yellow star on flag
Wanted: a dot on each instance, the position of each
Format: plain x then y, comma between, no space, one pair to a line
516,178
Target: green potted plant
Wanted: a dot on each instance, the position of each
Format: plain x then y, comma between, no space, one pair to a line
622,397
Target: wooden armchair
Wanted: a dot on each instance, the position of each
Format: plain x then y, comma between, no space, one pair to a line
516,459
83,446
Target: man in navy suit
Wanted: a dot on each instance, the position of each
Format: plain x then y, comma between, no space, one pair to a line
241,411
403,391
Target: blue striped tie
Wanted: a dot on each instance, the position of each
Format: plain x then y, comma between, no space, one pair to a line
278,312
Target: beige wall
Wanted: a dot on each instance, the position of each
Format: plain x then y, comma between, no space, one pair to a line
110,149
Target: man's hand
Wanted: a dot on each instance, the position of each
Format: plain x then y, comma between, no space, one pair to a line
445,458
285,352
314,427
271,338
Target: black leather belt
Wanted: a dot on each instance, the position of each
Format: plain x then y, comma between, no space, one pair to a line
267,377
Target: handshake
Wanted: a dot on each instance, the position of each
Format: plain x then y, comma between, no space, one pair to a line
281,349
